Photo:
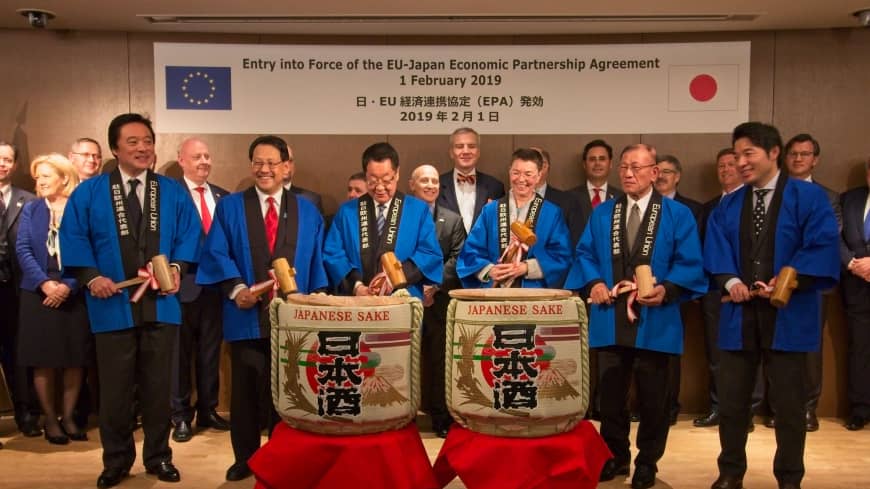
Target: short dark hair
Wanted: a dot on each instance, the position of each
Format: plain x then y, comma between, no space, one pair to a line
528,154
380,152
14,150
597,143
725,151
760,134
672,160
357,176
121,121
270,140
803,138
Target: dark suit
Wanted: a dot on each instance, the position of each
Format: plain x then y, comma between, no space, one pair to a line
581,196
451,236
856,299
674,363
18,378
313,197
567,201
199,337
486,188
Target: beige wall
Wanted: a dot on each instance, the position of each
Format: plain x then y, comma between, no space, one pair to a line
57,86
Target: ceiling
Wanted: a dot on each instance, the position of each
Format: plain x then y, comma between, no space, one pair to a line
440,17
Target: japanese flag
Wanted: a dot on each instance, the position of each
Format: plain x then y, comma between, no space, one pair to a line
703,87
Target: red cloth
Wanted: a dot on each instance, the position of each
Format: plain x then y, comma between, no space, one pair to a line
596,199
295,459
571,460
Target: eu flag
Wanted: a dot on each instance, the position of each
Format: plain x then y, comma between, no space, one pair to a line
198,88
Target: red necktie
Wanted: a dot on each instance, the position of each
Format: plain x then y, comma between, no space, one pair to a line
203,210
469,179
271,222
597,199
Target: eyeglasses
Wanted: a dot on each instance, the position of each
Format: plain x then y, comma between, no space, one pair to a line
86,156
383,182
257,165
633,168
802,154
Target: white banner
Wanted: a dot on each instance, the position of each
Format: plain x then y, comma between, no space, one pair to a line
545,89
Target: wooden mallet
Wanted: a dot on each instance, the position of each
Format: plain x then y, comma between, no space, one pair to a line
160,269
786,282
393,269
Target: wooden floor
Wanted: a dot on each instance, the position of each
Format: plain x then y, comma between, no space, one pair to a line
835,459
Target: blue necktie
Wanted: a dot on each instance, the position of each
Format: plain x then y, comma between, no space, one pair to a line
867,227
381,218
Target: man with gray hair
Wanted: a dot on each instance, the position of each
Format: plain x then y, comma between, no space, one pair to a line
465,190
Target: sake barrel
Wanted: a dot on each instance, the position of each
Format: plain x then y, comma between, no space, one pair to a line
517,361
346,365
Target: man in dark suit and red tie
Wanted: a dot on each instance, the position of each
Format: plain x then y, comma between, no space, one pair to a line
855,258
597,160
464,190
200,333
12,199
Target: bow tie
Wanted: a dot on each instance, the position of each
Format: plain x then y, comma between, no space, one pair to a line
469,179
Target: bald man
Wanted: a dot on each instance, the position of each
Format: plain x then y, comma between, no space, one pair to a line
449,229
200,333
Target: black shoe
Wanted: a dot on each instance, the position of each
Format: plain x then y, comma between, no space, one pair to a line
181,431
728,482
164,471
770,422
634,417
212,419
238,471
77,435
60,439
710,419
644,477
611,469
856,422
28,426
789,485
812,421
111,477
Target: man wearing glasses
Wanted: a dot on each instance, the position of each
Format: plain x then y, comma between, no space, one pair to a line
380,221
637,334
87,157
670,171
801,157
250,229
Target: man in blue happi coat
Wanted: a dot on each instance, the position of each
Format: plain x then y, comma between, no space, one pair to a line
633,333
250,230
112,227
380,221
771,222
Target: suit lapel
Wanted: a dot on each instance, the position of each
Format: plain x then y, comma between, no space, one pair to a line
448,192
16,202
857,211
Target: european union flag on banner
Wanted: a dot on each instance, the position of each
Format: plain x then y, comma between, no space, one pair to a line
198,88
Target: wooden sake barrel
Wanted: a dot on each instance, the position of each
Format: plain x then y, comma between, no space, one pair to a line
517,361
346,365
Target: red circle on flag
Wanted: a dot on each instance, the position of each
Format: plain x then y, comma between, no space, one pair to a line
703,88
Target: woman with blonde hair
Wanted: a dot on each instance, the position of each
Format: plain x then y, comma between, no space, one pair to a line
54,332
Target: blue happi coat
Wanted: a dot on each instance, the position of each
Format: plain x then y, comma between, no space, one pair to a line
805,237
89,239
676,258
416,241
226,255
552,249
